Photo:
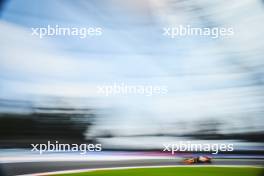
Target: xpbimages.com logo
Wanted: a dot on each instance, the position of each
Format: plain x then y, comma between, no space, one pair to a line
129,89
188,30
81,32
58,147
188,146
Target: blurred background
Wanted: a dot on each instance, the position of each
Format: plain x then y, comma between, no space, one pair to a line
48,87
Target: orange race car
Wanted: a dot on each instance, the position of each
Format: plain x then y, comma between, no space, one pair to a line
199,159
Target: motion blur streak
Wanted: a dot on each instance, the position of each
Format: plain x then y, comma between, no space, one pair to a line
48,86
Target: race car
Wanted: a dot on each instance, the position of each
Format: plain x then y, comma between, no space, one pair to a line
199,159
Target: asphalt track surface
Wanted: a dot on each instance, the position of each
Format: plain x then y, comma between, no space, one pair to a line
9,169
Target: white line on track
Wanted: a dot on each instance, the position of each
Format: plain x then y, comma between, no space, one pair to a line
132,167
